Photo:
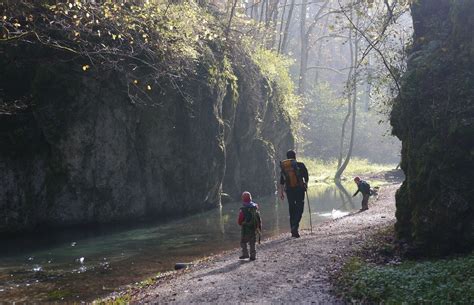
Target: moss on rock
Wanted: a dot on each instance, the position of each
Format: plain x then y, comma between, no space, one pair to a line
434,118
101,126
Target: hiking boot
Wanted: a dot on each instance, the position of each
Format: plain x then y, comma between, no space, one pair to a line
244,257
253,258
295,235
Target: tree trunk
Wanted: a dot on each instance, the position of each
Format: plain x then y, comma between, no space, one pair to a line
354,59
280,33
343,131
304,49
305,45
274,23
267,12
262,10
284,42
231,15
346,118
252,10
320,49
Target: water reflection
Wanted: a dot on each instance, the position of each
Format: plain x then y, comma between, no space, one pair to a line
346,198
73,266
334,214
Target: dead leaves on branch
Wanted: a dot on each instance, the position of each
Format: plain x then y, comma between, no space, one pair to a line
146,43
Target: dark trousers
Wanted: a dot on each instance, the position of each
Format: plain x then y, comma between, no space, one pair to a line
245,251
296,207
365,201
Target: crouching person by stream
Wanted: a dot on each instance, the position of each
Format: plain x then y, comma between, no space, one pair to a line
251,224
364,188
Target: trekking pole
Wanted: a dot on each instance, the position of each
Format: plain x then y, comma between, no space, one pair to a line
309,209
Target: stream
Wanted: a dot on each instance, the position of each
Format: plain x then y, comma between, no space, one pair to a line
83,264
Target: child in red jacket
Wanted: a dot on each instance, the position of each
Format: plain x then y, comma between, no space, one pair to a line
251,223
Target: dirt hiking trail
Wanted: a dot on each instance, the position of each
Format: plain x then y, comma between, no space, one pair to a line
287,270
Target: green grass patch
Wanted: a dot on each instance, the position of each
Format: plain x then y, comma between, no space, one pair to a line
438,281
116,300
148,282
324,170
59,295
125,296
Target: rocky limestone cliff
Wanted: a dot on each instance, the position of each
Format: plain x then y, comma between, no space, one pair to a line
434,119
258,134
76,149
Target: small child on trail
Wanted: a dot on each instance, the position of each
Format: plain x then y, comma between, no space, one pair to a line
251,223
366,191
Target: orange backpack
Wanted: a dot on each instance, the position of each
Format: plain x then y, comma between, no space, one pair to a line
291,171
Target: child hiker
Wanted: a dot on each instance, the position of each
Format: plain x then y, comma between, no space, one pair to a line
251,223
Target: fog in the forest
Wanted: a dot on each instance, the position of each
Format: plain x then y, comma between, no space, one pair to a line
346,56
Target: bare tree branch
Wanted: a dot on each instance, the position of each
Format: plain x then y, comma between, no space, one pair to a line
373,45
339,71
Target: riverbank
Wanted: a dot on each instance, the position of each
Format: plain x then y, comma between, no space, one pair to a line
286,269
48,268
324,170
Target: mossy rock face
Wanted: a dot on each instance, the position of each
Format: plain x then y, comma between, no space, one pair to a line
80,150
260,133
434,119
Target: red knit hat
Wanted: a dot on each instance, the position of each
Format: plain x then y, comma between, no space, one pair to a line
246,197
357,179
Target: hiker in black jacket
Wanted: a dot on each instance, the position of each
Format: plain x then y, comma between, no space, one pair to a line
294,176
364,188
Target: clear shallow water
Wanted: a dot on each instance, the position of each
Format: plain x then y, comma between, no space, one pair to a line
83,264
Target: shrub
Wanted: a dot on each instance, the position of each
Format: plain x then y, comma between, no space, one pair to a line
413,282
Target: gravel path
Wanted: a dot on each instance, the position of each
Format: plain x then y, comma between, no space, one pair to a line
287,270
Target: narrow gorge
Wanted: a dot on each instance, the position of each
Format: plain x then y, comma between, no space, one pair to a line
95,137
